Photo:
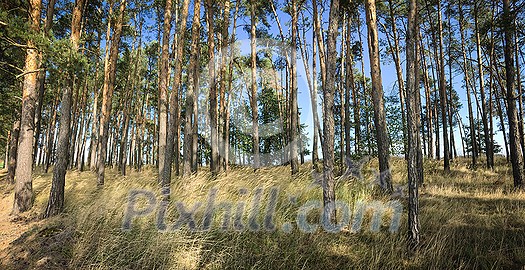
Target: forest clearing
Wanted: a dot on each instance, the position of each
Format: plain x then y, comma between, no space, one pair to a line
250,134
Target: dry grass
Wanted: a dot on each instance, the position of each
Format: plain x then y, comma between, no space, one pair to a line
469,220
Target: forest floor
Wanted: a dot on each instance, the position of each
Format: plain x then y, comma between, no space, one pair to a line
470,219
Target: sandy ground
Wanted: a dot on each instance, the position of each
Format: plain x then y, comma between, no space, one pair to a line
11,228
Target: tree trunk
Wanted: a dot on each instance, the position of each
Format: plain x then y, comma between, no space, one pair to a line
312,86
377,98
520,97
329,212
223,140
357,98
342,99
516,156
42,78
294,121
6,155
24,166
214,159
189,132
350,87
484,117
107,94
428,102
253,96
55,204
414,142
94,124
443,93
467,87
230,81
13,151
399,72
164,166
51,138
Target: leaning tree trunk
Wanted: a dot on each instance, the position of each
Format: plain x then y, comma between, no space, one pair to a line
399,72
56,197
24,165
377,98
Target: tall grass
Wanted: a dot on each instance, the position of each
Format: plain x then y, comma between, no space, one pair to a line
467,222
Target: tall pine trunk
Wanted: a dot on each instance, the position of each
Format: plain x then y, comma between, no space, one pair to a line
516,156
413,124
214,159
377,98
329,212
189,131
164,166
253,87
294,121
107,94
443,93
24,166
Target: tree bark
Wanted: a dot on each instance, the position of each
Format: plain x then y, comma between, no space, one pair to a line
399,72
56,196
294,121
224,63
107,94
164,166
42,78
377,98
428,102
214,161
443,93
516,156
24,166
413,122
253,96
312,86
13,151
329,212
189,132
349,89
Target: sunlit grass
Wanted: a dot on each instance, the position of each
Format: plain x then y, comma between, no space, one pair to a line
469,220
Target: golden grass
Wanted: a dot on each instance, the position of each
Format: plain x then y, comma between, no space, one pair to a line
468,221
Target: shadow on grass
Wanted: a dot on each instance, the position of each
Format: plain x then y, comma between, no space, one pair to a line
47,247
